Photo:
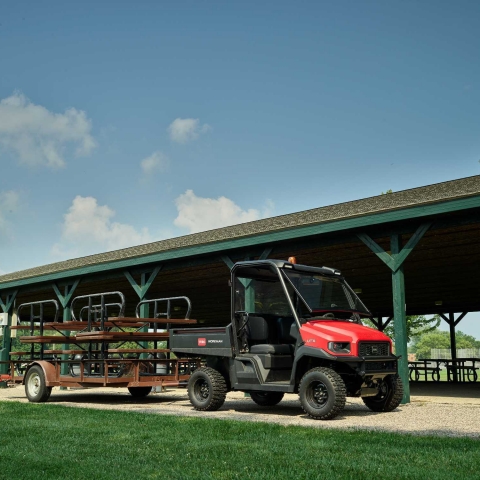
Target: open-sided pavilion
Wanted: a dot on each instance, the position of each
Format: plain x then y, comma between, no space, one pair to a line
411,252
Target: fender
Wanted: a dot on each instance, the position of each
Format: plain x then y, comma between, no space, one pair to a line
49,370
304,351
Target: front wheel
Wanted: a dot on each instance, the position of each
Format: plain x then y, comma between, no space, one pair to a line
207,389
322,393
139,392
390,394
266,399
35,385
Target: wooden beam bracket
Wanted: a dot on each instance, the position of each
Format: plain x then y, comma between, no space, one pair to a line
395,261
142,289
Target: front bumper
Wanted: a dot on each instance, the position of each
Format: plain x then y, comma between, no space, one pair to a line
371,365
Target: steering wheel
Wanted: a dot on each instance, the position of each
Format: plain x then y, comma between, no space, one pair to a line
328,315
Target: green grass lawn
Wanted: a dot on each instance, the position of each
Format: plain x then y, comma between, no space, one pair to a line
49,441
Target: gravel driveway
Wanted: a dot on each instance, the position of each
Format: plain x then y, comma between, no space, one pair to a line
452,410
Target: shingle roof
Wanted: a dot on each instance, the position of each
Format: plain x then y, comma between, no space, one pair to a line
440,192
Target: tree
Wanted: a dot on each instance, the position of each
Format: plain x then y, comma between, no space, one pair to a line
466,341
417,325
423,345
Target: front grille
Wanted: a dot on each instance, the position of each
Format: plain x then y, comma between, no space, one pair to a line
377,349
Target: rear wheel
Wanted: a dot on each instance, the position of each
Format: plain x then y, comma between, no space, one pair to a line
207,389
35,385
266,399
322,393
139,392
390,394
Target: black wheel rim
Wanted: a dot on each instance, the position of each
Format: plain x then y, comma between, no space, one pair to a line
317,394
382,391
202,390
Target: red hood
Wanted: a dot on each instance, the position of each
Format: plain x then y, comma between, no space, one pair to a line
319,332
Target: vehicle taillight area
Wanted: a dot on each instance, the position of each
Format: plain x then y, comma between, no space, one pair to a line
373,349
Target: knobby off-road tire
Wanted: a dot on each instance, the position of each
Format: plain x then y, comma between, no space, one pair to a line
389,396
139,392
207,389
35,385
322,393
266,399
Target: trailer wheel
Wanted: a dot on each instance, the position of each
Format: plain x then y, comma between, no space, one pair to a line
389,395
139,392
266,399
35,386
207,389
322,393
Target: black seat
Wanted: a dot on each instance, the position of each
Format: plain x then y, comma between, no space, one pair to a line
268,348
258,332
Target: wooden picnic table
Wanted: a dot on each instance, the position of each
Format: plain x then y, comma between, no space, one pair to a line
459,370
424,367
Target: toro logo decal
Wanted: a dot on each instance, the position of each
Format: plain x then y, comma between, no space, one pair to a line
202,342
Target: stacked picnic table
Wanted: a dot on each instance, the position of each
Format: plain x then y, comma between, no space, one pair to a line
102,348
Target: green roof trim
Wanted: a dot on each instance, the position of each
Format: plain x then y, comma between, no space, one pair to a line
419,202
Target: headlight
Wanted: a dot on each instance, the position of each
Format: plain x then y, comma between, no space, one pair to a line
339,347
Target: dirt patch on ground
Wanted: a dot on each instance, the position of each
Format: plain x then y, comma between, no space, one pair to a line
429,413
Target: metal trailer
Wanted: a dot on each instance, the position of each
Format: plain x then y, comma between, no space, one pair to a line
111,350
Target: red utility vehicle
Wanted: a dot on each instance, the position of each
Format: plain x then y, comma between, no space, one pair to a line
294,329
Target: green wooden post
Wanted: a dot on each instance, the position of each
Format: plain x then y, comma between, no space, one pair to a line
395,262
452,323
144,311
7,308
141,290
400,318
65,301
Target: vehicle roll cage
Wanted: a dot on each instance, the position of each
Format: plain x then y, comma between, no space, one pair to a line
278,267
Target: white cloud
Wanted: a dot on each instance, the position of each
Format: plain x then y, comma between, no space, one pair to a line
40,137
198,214
183,130
156,162
88,228
8,205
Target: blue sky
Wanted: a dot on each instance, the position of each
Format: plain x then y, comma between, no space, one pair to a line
127,122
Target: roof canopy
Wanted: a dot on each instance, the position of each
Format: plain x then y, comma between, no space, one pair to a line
441,272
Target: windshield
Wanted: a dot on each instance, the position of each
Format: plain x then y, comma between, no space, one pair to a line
324,294
259,290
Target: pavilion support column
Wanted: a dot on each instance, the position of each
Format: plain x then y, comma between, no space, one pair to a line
400,319
7,307
141,290
394,260
65,301
453,345
452,323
